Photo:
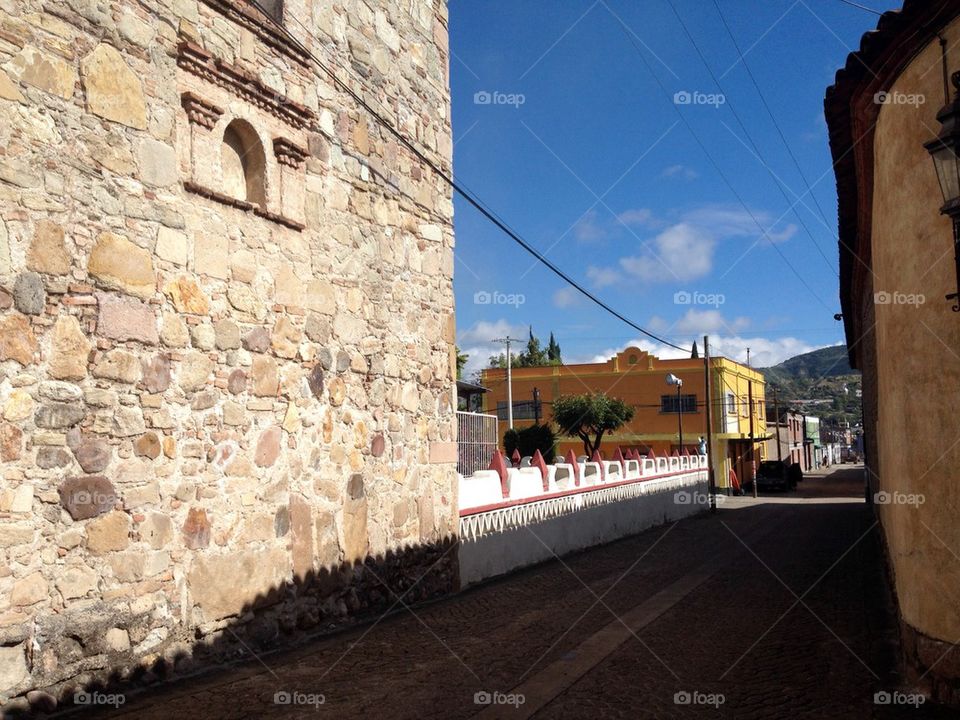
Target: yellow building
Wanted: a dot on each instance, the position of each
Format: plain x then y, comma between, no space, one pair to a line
639,379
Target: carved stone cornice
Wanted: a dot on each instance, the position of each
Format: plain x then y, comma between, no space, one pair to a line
250,17
287,153
194,59
199,111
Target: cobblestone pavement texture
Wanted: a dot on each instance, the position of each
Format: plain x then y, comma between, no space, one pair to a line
795,621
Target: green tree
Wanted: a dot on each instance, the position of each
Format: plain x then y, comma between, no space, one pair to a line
533,356
461,363
553,351
590,416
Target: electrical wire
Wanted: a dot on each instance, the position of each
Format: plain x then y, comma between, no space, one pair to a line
715,165
773,119
729,103
861,7
459,188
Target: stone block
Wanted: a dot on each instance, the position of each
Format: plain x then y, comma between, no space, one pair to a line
119,264
69,350
229,584
124,318
113,90
47,252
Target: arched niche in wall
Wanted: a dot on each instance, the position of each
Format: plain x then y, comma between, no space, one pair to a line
243,163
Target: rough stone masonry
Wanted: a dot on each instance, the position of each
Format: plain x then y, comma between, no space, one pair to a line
226,330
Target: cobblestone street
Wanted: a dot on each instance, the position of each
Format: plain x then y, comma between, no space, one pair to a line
774,607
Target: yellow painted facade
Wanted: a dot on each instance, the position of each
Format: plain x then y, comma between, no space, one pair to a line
639,379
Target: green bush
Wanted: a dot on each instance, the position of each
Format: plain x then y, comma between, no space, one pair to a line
530,439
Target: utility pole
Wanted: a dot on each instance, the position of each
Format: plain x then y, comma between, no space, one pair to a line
507,340
748,357
776,412
706,374
536,405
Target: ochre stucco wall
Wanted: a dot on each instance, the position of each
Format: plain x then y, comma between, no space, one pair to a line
918,354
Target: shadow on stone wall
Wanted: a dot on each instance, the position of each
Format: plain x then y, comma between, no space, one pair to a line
285,615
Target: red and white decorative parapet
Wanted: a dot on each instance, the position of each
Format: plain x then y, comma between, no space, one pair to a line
552,490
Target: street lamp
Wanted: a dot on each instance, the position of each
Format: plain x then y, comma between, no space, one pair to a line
674,380
945,151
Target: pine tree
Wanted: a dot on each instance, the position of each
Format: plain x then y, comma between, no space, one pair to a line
694,351
553,351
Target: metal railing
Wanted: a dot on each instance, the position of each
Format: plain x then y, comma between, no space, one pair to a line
476,441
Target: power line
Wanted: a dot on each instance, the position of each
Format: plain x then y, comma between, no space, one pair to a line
736,115
783,138
714,163
861,7
459,188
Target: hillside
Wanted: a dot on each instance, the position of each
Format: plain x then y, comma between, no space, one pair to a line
820,383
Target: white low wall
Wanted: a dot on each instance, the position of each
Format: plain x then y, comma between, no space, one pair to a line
532,525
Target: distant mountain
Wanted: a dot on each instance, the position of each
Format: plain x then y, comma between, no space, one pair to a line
825,362
820,383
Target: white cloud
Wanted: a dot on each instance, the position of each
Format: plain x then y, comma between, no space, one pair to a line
484,331
764,352
709,321
681,252
476,342
680,171
685,250
566,297
588,229
637,216
602,277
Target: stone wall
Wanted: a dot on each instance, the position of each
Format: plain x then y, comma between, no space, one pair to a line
226,329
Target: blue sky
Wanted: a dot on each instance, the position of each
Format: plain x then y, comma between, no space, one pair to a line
560,127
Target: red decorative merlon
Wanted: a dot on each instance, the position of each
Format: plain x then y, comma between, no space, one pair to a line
515,458
497,463
571,459
676,453
539,462
618,457
598,459
652,455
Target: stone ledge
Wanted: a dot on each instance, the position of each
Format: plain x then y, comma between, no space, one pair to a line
194,59
220,197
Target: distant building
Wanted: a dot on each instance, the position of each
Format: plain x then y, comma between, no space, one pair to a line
790,436
896,267
638,378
